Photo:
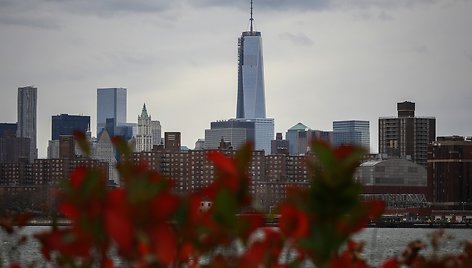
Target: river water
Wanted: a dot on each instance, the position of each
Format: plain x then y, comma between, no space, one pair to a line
381,243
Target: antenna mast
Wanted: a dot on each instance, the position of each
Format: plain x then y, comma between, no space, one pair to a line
251,19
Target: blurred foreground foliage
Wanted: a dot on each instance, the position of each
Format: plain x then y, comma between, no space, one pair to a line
146,224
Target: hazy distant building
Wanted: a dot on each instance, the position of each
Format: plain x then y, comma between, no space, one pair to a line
200,144
111,103
279,145
406,136
53,149
156,132
450,171
298,138
12,148
322,135
234,131
144,137
66,124
251,96
126,131
172,141
103,151
27,117
351,132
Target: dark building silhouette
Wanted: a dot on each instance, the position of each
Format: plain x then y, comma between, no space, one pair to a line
8,129
406,136
279,145
66,124
172,141
12,148
450,171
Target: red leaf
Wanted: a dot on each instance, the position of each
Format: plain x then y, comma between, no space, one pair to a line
70,211
77,176
164,205
293,222
343,151
223,163
118,223
165,244
375,208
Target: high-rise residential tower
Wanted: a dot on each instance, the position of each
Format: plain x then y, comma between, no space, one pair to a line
111,104
407,136
251,98
27,117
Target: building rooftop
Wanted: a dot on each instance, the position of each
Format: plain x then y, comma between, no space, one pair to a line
299,126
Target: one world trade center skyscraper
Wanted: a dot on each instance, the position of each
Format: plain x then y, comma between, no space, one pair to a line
251,97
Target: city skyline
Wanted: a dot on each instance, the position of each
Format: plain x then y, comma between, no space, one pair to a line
324,60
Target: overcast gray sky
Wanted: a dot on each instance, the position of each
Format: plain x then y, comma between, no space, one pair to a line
325,60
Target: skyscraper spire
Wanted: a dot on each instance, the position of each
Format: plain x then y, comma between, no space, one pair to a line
251,19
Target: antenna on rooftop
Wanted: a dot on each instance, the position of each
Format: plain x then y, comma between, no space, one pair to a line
251,19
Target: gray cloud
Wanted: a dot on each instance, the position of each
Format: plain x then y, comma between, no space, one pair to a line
420,49
307,5
40,23
111,7
298,39
91,7
268,4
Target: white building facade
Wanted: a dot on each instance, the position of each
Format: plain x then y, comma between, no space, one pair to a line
103,151
144,137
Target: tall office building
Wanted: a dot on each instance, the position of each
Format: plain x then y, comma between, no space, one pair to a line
156,131
27,116
407,136
251,99
111,104
144,137
351,132
66,124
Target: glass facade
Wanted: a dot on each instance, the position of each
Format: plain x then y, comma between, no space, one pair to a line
251,96
65,124
111,103
351,132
